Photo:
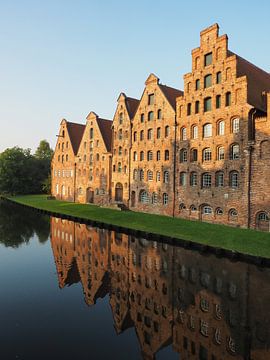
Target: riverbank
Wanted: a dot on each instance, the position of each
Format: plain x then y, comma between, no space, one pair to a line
220,236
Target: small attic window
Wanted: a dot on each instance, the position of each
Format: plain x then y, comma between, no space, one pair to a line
208,59
151,98
63,133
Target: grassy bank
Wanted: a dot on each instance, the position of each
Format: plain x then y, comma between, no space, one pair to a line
241,240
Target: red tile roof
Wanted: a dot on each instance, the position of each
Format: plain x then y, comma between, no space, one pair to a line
258,81
75,132
132,105
171,94
105,127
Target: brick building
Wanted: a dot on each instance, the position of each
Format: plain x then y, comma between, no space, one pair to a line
201,154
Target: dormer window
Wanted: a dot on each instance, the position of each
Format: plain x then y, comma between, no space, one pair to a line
208,59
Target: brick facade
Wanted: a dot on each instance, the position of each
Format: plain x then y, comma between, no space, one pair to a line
201,154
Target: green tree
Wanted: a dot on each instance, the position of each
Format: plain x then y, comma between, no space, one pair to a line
44,152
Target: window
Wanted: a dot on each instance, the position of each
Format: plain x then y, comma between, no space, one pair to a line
149,175
142,118
144,197
167,131
218,77
184,133
207,210
154,198
165,199
141,156
194,132
208,59
151,98
135,136
197,84
220,153
193,179
159,114
228,98
121,118
149,155
189,109
67,157
158,155
141,174
166,155
120,134
135,157
218,101
219,211
183,155
141,135
262,216
207,104
166,177
193,208
150,115
207,154
234,181
120,150
183,178
235,125
219,178
135,174
197,107
206,180
149,134
207,130
233,213
119,167
158,133
208,81
91,133
182,206
158,176
193,155
235,152
221,127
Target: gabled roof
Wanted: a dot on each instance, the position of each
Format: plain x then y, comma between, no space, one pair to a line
258,81
171,94
75,132
105,127
132,105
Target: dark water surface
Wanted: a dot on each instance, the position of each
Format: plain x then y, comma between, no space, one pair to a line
70,291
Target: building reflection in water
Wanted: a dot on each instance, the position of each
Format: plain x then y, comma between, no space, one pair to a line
207,308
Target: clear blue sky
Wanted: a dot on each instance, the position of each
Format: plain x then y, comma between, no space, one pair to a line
62,58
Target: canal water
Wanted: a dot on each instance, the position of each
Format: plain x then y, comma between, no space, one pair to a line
71,291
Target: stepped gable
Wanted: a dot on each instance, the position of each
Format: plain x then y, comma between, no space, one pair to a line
258,81
75,132
105,127
171,94
132,105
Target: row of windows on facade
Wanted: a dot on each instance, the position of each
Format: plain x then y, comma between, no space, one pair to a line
233,154
207,129
150,155
63,173
207,104
62,146
207,81
206,179
138,174
208,210
145,198
150,133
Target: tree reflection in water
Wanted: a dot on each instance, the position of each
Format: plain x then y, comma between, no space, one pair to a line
205,307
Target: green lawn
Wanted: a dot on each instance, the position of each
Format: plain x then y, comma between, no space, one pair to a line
241,240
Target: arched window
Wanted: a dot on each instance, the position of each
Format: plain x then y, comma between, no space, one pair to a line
220,153
66,157
158,176
206,180
218,101
141,174
149,155
120,150
150,115
142,118
91,133
197,84
193,208
120,134
182,178
235,125
166,155
149,134
158,133
234,179
158,155
182,206
207,130
149,175
135,157
135,174
144,197
219,178
159,114
183,133
207,154
166,176
193,155
218,77
167,131
135,136
194,132
233,214
208,80
234,152
197,107
183,155
207,210
119,167
228,98
165,199
141,156
219,211
207,104
154,198
189,109
262,216
221,127
141,135
121,118
193,179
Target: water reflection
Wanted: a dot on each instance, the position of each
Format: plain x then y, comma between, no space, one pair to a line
203,306
18,225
